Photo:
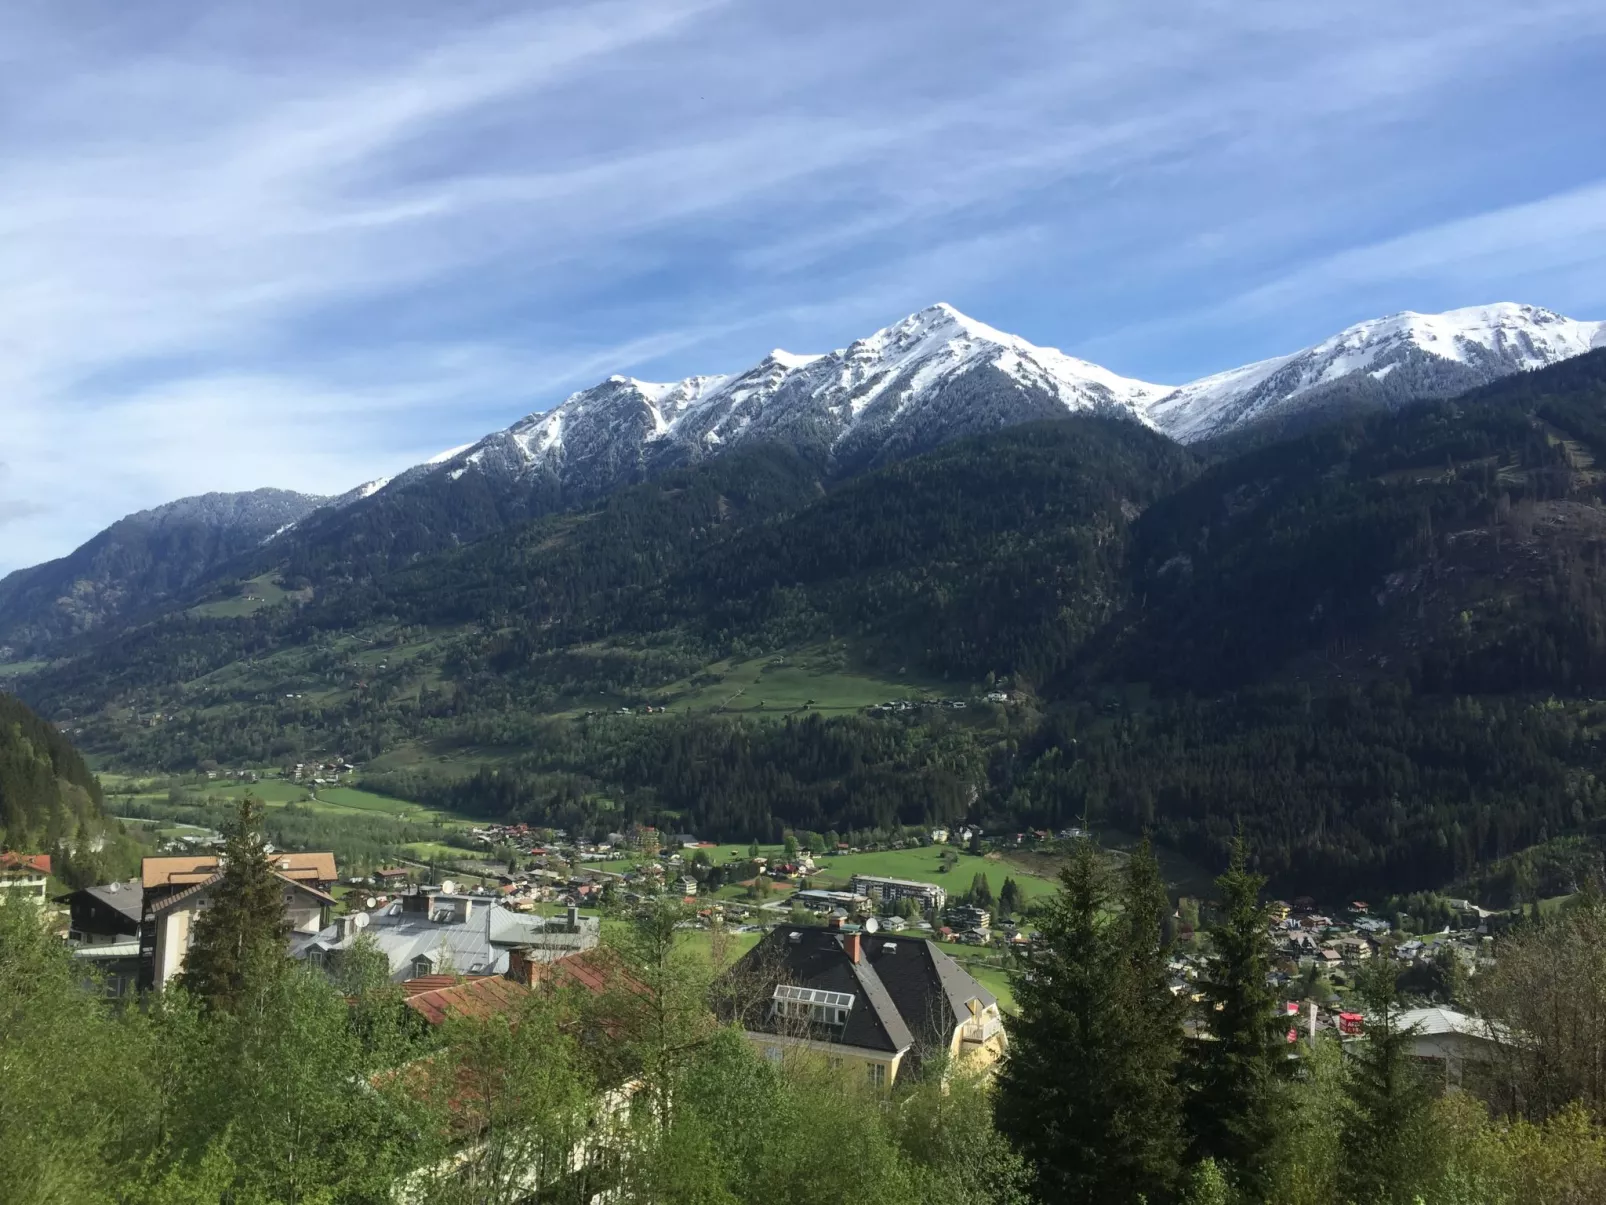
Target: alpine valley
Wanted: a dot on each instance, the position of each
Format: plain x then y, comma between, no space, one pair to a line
1350,600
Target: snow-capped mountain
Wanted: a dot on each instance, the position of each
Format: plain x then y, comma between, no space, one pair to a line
935,376
1397,358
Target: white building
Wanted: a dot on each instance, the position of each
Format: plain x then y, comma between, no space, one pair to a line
1450,1040
927,895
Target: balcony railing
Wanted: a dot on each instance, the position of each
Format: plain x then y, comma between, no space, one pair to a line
980,1029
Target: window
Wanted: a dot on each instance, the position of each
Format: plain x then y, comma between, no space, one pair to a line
422,966
773,1054
877,1073
812,1004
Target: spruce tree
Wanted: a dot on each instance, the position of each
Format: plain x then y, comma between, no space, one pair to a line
981,891
1388,1098
1153,1141
1232,1109
1009,898
1087,1092
244,927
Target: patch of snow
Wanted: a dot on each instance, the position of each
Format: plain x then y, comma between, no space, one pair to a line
449,454
1504,337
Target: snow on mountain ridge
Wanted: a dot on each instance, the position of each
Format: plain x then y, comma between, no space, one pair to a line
1470,346
939,374
889,372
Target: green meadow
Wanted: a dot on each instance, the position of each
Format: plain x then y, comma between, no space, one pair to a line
810,679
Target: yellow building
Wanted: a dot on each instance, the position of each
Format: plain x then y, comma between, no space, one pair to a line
862,1000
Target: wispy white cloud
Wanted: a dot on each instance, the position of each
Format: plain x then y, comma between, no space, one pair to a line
330,239
1485,257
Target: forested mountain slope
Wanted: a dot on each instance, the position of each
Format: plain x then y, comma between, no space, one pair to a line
48,797
139,563
929,379
1373,647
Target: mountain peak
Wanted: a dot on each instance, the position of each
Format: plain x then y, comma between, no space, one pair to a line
1389,360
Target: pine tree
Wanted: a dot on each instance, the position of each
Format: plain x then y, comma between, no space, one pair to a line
1153,1141
1388,1096
1052,1101
1087,1092
1009,898
981,892
244,928
1234,1072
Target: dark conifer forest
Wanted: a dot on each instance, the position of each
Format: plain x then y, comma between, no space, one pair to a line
1374,647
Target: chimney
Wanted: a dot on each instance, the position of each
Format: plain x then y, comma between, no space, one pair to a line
574,918
520,968
850,943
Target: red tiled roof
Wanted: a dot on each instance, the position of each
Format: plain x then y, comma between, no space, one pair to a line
430,983
596,970
16,861
486,996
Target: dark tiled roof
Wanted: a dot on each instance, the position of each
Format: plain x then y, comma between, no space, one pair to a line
127,898
907,991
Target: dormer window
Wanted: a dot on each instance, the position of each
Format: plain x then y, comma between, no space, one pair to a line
811,1004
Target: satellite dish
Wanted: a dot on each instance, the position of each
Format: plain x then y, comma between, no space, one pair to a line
448,887
871,925
369,902
362,920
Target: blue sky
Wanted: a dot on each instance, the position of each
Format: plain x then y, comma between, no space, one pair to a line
305,244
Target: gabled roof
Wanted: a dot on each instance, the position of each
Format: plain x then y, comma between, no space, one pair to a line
907,991
196,888
597,970
1430,1022
11,861
197,868
126,898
